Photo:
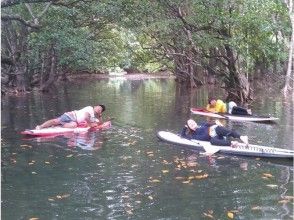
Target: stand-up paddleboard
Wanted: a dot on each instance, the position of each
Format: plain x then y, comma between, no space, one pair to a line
53,131
240,149
252,118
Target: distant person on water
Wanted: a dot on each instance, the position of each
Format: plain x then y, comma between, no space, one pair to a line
218,106
215,133
89,116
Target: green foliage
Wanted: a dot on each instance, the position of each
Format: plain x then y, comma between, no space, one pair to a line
145,34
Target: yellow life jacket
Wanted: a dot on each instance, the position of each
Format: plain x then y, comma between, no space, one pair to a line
220,107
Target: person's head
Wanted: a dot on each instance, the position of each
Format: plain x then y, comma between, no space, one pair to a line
212,101
192,125
99,109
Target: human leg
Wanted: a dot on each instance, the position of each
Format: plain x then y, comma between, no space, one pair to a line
237,110
49,123
224,132
70,125
220,141
64,120
230,106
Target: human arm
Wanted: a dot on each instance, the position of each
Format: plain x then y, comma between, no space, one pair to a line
201,134
184,132
210,109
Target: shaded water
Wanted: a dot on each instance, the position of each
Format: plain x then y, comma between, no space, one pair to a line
126,172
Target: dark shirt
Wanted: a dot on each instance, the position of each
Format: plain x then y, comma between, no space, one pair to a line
201,133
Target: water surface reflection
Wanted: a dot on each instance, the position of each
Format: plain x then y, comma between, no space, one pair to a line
126,172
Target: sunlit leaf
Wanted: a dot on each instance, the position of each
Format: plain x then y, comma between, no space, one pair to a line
209,214
25,145
288,197
273,186
185,182
201,176
192,164
268,175
180,178
32,162
255,208
65,196
284,201
230,215
134,142
129,212
165,162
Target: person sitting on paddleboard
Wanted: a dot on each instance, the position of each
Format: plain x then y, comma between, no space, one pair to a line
91,115
215,133
218,106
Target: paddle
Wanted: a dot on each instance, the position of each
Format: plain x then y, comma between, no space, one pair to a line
208,148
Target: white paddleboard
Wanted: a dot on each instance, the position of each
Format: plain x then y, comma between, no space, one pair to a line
244,118
240,149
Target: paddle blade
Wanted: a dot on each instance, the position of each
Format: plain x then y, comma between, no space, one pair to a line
209,149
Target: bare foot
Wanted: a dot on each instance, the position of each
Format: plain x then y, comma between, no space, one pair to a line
249,111
234,144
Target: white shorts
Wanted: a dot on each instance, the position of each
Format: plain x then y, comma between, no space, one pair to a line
231,106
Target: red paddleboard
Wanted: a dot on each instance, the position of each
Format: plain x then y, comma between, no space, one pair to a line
53,131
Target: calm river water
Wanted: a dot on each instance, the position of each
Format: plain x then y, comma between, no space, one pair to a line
126,172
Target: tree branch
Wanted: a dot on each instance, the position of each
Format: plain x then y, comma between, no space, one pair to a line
8,3
18,18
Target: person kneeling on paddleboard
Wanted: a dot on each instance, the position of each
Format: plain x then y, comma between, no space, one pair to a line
92,115
218,106
215,133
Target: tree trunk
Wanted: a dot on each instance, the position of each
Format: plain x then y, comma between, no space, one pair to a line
52,73
238,87
289,74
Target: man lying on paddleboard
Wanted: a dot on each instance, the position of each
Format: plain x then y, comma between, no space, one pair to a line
91,115
213,132
218,106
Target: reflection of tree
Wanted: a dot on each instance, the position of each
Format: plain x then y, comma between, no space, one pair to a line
285,180
183,95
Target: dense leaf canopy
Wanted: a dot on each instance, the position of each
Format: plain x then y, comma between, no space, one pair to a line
192,38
